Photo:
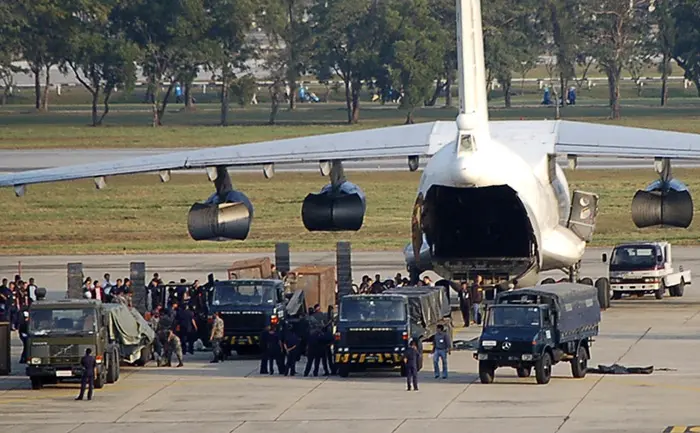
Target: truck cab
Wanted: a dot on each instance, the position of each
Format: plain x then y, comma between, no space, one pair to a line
372,331
641,268
59,333
247,307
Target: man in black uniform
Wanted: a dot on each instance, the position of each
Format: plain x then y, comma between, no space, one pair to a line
465,303
264,338
88,378
291,345
410,360
274,351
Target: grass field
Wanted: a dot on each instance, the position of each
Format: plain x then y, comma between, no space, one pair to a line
139,214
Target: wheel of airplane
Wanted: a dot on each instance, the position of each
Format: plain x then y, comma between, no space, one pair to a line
603,287
548,281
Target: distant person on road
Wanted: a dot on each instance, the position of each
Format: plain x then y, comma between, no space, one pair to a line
410,360
174,345
442,346
217,334
477,297
465,303
291,350
88,377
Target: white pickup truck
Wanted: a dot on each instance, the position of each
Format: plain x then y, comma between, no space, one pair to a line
639,268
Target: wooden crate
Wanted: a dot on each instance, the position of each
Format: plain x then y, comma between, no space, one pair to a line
318,284
258,268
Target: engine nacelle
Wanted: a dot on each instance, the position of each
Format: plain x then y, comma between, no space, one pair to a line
329,211
663,203
221,220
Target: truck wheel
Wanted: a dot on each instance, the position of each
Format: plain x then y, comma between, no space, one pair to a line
543,369
100,378
111,368
403,371
524,371
680,288
586,281
548,281
117,367
603,287
344,371
659,293
36,382
617,295
144,357
487,372
579,365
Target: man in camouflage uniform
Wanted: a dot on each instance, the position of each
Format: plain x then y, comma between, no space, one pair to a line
174,345
154,323
217,334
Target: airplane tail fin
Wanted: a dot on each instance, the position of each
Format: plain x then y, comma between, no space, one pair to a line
473,104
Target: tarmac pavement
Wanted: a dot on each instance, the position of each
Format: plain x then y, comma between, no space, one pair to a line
232,397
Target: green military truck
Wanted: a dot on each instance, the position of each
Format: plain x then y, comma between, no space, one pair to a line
60,331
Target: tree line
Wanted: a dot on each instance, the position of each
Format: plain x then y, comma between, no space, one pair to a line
407,45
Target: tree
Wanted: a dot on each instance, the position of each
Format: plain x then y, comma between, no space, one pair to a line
170,36
686,50
445,12
10,24
509,40
415,51
42,43
101,58
285,23
230,22
665,41
347,40
623,29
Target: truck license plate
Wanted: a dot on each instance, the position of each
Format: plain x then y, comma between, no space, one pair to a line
64,373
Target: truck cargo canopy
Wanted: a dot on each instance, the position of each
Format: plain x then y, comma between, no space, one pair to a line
128,328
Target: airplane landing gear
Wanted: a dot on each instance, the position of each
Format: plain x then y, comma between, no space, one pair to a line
574,273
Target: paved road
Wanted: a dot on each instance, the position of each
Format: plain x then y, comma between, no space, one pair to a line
231,397
20,160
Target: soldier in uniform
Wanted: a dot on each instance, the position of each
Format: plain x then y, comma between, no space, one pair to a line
263,349
217,334
291,346
174,345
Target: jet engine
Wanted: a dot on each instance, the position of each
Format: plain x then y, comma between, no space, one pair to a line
336,208
221,217
666,203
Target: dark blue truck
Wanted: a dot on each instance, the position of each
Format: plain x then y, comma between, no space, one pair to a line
538,327
373,331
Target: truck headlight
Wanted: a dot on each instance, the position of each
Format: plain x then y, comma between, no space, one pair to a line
651,280
482,357
527,357
36,361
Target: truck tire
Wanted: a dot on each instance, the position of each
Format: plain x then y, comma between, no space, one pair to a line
617,295
487,372
117,366
586,281
524,371
344,370
543,369
680,288
548,281
36,382
100,378
111,367
659,293
579,365
144,357
603,287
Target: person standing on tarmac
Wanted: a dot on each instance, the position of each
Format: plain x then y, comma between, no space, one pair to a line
275,352
477,296
24,335
217,334
442,346
410,359
291,344
328,342
174,346
88,377
465,303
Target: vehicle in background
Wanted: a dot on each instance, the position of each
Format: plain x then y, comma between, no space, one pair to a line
539,327
640,268
248,306
60,331
373,331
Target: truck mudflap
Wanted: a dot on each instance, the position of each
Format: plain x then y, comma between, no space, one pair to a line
369,358
245,340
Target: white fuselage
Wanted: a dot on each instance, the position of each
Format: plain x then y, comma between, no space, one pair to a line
493,164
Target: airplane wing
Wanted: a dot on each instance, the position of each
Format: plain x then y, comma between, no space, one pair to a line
422,139
533,139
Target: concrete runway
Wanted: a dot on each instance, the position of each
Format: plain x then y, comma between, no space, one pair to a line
231,397
21,160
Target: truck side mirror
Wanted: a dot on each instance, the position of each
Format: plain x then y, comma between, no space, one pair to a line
605,257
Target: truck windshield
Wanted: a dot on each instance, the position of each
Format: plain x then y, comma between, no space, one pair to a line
72,321
513,316
243,293
633,257
372,310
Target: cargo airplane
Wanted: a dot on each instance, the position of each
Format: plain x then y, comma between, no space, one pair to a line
492,199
